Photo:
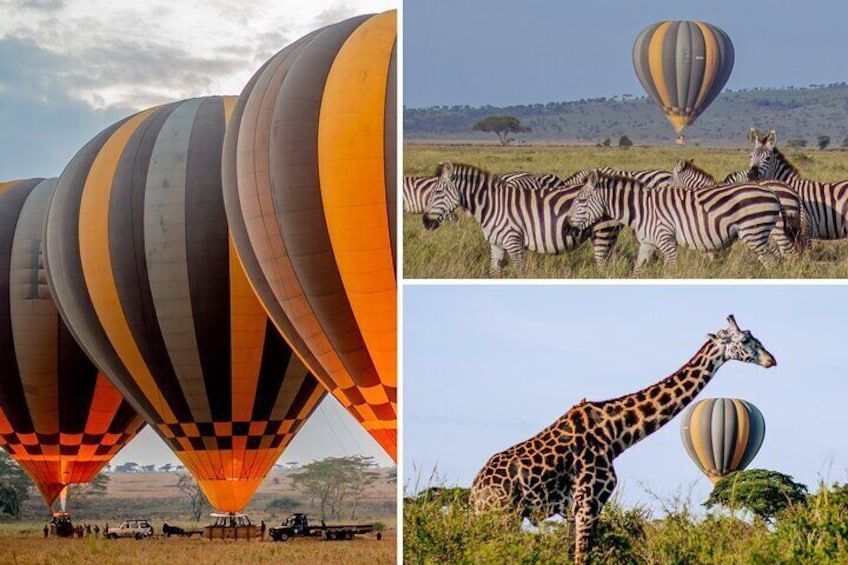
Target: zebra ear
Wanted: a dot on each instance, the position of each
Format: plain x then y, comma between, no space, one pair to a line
678,166
445,170
591,180
753,137
770,140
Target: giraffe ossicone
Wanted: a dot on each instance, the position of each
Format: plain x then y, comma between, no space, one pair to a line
568,465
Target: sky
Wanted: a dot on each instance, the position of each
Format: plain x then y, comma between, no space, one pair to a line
503,52
70,68
486,367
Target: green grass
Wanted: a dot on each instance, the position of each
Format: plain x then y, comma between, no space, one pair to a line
815,533
459,250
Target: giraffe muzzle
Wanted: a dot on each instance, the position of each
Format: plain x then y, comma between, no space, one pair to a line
767,360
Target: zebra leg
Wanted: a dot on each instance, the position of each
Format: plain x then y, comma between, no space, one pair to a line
646,251
515,250
498,260
757,241
668,247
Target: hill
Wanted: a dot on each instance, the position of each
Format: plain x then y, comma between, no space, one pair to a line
796,113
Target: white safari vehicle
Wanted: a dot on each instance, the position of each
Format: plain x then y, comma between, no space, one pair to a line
138,529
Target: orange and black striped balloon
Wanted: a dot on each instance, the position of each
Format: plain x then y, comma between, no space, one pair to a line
683,66
722,435
310,190
60,418
142,265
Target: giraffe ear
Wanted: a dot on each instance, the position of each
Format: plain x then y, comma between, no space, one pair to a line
713,337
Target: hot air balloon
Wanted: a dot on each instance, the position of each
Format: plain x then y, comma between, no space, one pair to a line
309,172
683,66
142,265
722,435
60,418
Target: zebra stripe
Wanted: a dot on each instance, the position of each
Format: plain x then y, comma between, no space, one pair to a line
416,190
513,218
707,219
531,181
825,203
790,232
649,177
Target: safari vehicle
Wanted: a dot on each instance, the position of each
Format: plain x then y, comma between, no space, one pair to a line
138,529
298,525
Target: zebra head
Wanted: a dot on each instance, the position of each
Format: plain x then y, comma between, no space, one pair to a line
742,346
587,207
763,164
443,199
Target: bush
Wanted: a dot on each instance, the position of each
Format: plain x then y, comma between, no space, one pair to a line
624,142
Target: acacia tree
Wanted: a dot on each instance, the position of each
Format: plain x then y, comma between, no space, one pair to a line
335,481
503,126
823,141
197,498
762,492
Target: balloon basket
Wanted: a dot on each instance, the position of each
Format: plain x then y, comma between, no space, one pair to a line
61,525
232,526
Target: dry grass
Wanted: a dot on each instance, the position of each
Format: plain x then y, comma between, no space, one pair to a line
24,544
459,250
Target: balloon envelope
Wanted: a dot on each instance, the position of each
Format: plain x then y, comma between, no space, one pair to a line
143,267
683,66
722,435
60,418
310,189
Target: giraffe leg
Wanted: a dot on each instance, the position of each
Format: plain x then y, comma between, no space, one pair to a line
497,261
591,492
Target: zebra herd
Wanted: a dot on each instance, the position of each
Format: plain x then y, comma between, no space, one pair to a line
768,201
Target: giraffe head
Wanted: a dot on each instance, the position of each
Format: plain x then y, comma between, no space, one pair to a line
588,206
741,345
762,163
443,199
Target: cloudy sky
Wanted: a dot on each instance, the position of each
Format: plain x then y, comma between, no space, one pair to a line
69,68
503,52
488,366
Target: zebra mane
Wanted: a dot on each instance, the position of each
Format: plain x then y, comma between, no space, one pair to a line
617,176
458,168
786,163
688,164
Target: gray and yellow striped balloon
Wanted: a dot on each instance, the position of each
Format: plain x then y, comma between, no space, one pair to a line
722,435
683,66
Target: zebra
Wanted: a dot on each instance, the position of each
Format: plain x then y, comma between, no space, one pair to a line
791,231
825,203
513,218
416,189
738,176
706,219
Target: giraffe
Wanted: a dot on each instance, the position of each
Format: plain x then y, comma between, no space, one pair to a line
569,463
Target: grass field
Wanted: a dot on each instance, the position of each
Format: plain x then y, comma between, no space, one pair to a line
459,250
23,544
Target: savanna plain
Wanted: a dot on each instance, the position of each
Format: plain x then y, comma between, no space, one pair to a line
458,250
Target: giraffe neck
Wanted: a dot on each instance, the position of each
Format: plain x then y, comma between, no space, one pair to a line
635,416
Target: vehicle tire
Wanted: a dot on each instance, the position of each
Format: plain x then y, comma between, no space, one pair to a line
331,536
284,537
348,536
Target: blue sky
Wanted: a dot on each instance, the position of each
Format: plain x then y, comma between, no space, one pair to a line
503,52
70,68
488,366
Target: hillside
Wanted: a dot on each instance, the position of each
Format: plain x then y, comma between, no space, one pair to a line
803,113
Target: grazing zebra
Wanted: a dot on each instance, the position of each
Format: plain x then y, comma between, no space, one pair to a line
513,218
826,203
416,190
707,219
790,231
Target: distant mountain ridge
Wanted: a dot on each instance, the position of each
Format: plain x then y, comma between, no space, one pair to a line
796,113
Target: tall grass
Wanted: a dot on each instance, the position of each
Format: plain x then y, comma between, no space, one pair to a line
459,251
439,530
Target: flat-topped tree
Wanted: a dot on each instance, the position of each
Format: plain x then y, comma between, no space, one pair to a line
503,126
569,463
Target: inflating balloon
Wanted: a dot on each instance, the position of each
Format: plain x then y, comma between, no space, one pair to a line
143,268
722,435
683,66
60,418
310,188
